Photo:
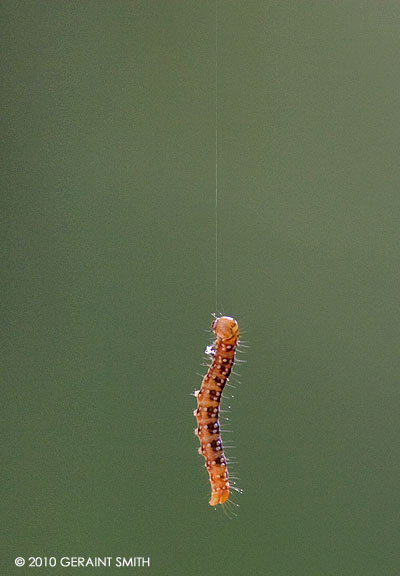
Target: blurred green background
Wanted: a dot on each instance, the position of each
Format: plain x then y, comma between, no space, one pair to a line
109,281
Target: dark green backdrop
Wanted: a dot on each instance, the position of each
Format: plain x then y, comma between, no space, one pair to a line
109,281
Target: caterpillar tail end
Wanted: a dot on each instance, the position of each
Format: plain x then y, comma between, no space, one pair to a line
219,497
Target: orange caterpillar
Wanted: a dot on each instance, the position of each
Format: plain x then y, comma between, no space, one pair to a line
208,397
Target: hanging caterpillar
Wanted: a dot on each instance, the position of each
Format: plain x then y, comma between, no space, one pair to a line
222,353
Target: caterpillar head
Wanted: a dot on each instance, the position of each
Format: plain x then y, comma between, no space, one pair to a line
225,328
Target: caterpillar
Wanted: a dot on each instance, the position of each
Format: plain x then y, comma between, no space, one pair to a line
222,354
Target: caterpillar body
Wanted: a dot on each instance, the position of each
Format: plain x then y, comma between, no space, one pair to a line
222,353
